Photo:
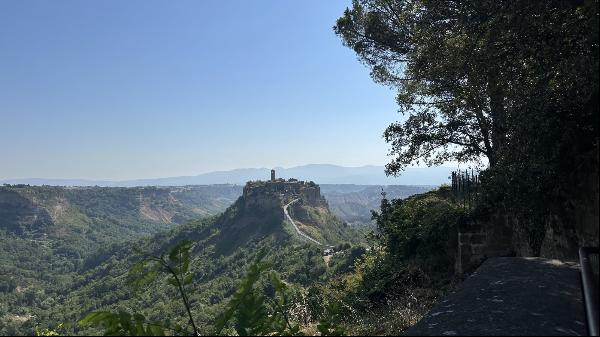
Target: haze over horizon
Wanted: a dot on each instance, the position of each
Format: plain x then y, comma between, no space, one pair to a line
320,173
174,90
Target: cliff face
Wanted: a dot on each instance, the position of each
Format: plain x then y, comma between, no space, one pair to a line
102,214
311,211
286,190
258,200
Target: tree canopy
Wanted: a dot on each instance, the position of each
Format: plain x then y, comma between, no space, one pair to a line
492,80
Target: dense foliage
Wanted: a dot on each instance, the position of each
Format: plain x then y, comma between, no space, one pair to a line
49,236
421,230
289,288
388,286
409,264
223,248
251,311
514,83
511,84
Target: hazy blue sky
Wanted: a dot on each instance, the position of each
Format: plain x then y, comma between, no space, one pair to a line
141,89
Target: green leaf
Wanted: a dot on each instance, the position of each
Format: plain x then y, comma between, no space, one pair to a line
180,256
188,279
172,281
123,323
142,274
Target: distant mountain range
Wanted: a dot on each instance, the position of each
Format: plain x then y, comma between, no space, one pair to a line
319,173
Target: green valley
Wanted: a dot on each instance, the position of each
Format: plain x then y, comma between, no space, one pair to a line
455,192
67,251
48,235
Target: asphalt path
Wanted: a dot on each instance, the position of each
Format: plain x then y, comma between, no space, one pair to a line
511,296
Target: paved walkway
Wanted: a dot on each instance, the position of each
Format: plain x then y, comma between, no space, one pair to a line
511,296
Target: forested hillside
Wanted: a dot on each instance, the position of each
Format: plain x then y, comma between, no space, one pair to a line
50,234
61,245
76,222
506,88
362,288
223,247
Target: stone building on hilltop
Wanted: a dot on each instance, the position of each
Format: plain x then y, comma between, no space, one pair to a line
308,191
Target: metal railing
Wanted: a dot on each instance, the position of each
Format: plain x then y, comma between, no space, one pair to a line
465,187
588,258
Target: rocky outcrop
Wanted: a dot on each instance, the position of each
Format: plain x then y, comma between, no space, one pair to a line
311,212
285,189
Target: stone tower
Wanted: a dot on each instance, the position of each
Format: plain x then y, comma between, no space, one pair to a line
272,175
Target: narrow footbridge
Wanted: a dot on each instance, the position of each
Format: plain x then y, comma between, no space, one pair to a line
511,296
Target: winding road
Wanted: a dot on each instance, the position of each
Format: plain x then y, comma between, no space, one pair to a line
285,210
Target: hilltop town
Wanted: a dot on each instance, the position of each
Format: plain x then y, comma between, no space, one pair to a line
285,190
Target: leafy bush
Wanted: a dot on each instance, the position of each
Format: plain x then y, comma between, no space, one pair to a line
249,312
420,230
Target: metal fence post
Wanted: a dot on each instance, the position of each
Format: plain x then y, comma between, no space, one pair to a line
590,288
